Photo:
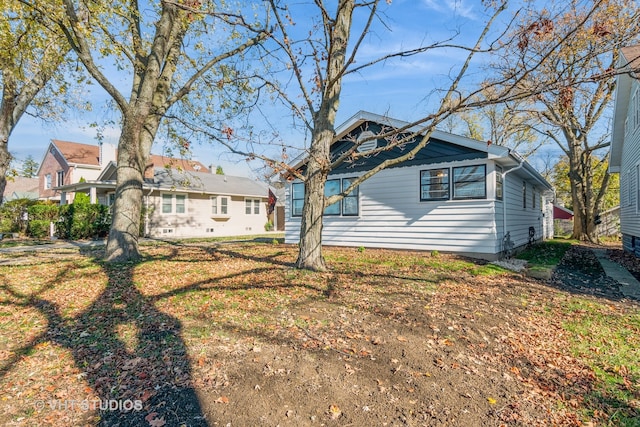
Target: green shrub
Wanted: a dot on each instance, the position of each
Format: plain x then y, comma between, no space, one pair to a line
13,215
43,211
38,228
83,221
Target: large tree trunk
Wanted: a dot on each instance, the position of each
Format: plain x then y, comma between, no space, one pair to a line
319,164
134,149
310,251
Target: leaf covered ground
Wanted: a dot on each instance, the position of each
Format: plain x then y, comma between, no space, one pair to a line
206,334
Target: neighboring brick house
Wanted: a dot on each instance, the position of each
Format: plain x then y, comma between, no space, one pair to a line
68,162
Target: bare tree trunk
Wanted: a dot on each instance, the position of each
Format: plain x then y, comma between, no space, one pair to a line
310,251
134,149
5,159
319,165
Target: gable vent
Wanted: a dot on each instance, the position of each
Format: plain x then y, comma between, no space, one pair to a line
368,145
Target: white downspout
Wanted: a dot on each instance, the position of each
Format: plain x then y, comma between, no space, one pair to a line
146,213
504,201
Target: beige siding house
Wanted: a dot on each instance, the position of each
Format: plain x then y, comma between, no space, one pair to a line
181,203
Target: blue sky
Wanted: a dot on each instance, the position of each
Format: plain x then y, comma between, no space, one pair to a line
403,89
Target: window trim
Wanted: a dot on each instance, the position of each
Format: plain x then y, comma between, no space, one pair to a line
524,194
431,199
47,182
60,182
453,180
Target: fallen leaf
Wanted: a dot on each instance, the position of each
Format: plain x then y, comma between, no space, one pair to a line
491,401
401,338
222,399
334,412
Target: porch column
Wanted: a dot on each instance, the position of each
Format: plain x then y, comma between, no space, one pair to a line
63,198
93,198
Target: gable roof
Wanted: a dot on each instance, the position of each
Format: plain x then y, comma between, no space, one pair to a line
20,187
442,147
629,60
77,153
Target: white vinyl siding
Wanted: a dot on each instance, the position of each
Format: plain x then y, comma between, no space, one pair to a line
392,216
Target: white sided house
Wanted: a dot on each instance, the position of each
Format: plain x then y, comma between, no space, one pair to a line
456,195
181,203
625,147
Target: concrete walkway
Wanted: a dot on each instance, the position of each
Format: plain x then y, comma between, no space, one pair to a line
629,286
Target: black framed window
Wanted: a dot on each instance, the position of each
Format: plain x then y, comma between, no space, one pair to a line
470,182
434,184
350,203
297,198
332,187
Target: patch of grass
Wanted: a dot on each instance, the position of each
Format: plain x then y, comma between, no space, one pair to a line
545,254
607,339
12,243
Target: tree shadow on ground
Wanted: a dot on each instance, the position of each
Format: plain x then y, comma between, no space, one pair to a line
131,354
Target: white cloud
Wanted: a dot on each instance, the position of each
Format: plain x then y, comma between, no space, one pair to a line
458,7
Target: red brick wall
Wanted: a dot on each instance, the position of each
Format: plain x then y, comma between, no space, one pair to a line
51,164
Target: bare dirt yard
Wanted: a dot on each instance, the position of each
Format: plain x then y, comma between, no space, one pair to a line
204,334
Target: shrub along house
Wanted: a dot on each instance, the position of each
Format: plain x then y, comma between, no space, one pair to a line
456,195
625,147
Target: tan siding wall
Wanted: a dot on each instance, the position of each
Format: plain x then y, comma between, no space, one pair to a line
198,221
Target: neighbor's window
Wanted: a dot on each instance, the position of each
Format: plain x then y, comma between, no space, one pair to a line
252,206
297,198
332,187
167,203
524,195
434,184
174,203
469,182
219,205
350,202
60,178
47,181
180,203
499,183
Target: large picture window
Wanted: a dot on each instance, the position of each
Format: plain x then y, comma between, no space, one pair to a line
434,184
469,182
